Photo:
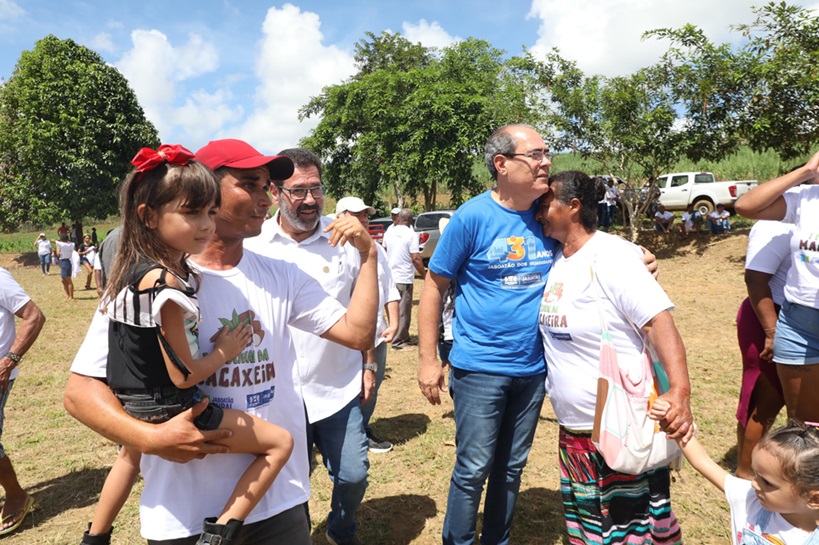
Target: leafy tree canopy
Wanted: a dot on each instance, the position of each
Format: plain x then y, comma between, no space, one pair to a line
414,119
764,92
69,125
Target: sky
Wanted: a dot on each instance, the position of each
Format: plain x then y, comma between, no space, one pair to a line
208,69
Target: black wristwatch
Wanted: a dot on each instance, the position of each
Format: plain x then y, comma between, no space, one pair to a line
14,357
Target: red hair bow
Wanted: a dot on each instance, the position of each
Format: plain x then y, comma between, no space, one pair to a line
148,159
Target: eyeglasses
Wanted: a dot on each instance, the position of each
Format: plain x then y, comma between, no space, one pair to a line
537,154
300,193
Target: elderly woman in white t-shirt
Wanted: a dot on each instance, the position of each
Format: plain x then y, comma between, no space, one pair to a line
601,505
796,341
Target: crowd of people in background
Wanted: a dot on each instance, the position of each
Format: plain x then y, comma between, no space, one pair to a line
227,328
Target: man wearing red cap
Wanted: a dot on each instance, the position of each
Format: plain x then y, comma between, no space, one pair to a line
270,294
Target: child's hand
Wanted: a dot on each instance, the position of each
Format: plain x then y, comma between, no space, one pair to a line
659,409
231,343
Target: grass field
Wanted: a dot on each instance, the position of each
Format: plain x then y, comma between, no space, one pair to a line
63,464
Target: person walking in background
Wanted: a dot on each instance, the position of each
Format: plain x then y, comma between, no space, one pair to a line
613,199
87,252
104,261
13,346
44,250
604,219
404,258
94,240
65,249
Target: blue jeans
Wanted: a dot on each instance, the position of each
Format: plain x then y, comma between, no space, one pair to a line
343,446
381,361
45,262
719,226
603,218
495,421
287,527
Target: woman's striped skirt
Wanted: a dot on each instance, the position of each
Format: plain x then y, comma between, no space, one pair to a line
606,507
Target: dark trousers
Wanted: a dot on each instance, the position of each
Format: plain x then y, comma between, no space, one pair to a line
404,315
288,527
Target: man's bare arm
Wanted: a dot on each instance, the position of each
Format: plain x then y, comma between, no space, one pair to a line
90,401
430,374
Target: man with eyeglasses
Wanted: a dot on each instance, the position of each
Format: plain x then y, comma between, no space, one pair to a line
330,375
496,249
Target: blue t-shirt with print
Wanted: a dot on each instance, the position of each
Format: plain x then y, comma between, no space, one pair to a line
501,260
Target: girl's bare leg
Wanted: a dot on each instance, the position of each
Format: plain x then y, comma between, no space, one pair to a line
116,490
270,443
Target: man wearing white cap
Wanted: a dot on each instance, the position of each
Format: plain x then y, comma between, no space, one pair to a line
388,297
394,213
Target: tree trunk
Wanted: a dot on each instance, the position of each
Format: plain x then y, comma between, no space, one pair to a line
77,232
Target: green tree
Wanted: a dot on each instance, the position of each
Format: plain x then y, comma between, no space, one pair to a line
763,92
783,110
69,125
627,124
413,120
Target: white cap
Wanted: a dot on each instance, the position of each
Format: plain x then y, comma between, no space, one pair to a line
395,211
354,205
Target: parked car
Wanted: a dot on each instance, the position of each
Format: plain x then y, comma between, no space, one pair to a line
426,224
378,226
680,189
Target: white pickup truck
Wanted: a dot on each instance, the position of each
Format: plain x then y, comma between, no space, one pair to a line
679,190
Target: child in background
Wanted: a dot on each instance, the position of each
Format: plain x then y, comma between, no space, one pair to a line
168,206
781,504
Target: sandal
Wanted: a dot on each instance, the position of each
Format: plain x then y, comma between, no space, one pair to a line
17,517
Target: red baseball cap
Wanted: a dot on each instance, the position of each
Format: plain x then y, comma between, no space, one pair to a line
239,154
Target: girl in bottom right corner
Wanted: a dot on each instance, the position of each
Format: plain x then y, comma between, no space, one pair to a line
781,504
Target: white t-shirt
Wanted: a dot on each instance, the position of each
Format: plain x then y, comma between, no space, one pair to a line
329,373
12,299
65,249
612,194
769,252
716,215
401,242
665,216
746,510
275,295
387,292
43,247
570,321
688,219
802,286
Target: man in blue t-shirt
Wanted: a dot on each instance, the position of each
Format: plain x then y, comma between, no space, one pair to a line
497,251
